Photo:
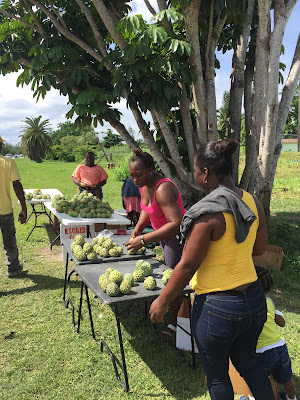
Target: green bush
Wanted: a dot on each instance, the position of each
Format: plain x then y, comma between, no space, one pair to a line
122,172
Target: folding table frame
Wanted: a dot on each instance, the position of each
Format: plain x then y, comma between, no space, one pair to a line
89,275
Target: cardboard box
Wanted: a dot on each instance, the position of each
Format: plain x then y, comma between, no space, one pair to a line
240,386
68,232
183,336
272,258
183,339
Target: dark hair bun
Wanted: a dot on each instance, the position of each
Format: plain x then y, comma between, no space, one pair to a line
226,147
142,156
137,152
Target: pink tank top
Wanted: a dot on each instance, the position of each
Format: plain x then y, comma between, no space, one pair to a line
156,214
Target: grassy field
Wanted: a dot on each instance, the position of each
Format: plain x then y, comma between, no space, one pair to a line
41,355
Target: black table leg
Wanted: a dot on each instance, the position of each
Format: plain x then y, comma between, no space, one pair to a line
65,283
124,385
80,307
36,214
90,311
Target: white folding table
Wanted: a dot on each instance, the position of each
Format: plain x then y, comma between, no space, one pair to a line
42,211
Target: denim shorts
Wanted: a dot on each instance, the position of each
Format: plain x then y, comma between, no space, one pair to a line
277,363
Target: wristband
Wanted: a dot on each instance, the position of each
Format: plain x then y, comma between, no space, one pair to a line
142,240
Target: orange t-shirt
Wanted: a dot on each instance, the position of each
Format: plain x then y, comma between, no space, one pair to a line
90,175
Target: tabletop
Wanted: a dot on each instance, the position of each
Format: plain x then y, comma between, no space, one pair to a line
52,193
90,273
66,219
120,240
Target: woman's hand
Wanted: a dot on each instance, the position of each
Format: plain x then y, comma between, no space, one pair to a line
134,244
157,310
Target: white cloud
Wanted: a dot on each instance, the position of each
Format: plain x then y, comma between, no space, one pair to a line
17,103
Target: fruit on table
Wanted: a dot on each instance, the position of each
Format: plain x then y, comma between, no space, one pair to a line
112,289
138,275
129,277
150,283
79,239
125,287
166,276
115,276
145,266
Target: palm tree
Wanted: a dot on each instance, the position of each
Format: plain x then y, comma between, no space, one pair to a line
36,138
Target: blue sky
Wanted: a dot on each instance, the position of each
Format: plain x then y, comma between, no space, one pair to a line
17,103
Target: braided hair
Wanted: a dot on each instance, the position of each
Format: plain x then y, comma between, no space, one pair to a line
264,278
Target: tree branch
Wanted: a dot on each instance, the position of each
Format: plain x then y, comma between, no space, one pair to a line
7,14
59,17
109,23
122,131
73,38
150,8
93,25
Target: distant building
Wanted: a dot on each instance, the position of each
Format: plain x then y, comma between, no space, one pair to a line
289,144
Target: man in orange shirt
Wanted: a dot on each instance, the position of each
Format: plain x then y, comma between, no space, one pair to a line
89,176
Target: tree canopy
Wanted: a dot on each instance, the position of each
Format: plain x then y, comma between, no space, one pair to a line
96,53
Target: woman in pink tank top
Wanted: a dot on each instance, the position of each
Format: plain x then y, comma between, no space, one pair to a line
161,204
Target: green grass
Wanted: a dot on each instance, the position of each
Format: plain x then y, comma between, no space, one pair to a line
41,355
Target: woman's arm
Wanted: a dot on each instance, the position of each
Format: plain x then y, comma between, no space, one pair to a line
261,240
166,197
78,183
194,252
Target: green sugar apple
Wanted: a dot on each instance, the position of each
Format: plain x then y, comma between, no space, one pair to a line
79,239
129,277
119,249
116,276
87,247
109,270
92,256
138,275
103,282
150,283
80,255
112,289
113,252
95,241
168,272
125,287
102,252
108,244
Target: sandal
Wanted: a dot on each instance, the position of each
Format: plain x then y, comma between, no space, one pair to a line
168,331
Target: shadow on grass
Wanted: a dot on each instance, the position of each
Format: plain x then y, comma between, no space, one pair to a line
171,367
40,282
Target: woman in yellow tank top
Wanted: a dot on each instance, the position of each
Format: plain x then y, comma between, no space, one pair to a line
222,232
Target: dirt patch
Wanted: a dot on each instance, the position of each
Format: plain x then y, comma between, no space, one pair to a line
46,253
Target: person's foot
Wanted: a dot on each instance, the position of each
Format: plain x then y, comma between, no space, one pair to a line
16,272
168,332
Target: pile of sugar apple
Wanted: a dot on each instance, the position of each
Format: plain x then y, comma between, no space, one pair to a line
37,194
82,250
114,283
106,247
85,205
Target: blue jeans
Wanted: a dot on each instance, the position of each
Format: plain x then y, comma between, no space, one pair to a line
277,363
226,326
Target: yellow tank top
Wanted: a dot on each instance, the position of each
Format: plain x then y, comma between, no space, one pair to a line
228,264
270,334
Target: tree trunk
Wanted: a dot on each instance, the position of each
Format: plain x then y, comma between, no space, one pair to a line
237,87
